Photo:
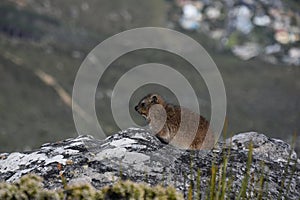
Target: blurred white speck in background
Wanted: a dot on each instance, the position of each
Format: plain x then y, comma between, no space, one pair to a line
243,19
190,18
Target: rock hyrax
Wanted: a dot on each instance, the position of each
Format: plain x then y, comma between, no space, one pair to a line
165,122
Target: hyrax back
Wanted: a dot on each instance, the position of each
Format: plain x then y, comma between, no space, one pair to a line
165,122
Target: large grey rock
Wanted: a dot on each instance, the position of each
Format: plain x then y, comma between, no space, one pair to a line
137,155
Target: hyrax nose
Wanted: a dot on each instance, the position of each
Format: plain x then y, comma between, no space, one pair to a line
136,108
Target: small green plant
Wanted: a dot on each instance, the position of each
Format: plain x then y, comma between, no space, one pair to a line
213,182
184,182
242,194
285,174
191,189
198,184
223,182
261,182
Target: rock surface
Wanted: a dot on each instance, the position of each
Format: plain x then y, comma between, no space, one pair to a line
137,155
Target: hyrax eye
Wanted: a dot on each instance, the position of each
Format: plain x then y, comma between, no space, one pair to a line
143,104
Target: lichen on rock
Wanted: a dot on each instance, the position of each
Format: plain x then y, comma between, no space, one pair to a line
135,154
31,187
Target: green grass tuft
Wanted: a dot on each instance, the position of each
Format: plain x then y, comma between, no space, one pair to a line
242,194
31,187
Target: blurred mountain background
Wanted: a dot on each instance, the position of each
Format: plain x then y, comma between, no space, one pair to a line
43,43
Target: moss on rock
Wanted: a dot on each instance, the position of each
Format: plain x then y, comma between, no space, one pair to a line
131,190
31,187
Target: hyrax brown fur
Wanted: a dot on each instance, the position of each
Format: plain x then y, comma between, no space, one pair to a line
164,119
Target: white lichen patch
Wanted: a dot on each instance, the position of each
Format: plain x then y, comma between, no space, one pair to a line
139,136
58,159
9,164
61,150
17,161
17,175
133,157
110,154
46,148
124,142
134,129
70,151
58,150
138,146
75,144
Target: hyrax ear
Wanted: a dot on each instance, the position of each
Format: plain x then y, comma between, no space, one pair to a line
154,99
